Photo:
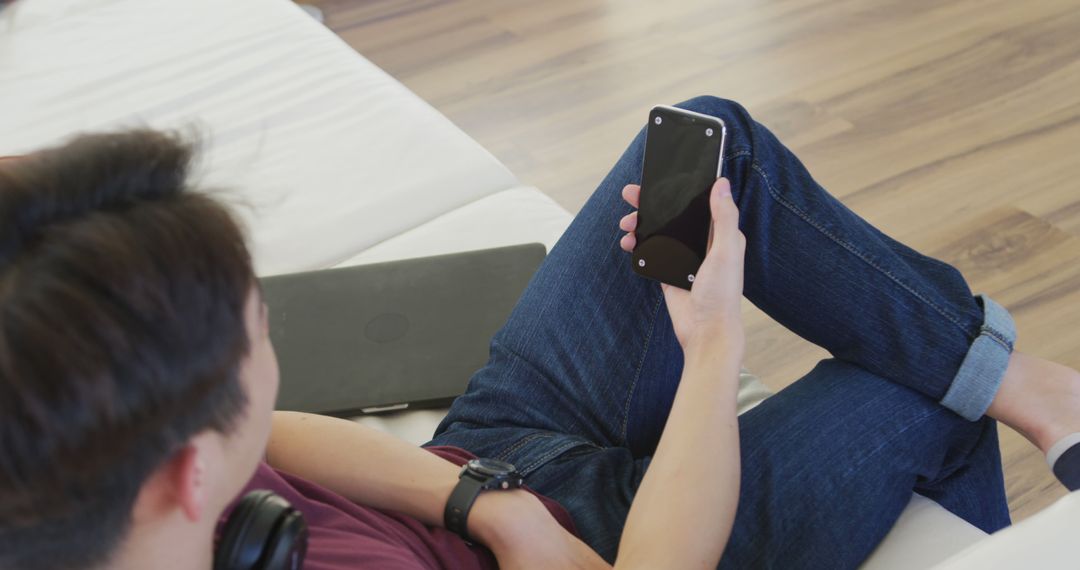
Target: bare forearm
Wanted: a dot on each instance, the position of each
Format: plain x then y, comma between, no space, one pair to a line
378,470
362,464
682,514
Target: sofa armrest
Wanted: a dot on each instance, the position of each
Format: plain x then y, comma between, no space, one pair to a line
1047,540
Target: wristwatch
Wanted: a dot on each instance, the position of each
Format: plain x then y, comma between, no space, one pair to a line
476,476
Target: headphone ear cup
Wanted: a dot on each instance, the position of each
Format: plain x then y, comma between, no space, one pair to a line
253,533
288,545
230,552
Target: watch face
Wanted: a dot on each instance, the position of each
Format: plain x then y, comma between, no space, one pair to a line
491,467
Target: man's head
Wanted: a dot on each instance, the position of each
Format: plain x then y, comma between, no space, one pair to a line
136,374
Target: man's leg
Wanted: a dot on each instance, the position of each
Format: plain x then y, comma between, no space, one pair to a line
589,349
828,464
831,277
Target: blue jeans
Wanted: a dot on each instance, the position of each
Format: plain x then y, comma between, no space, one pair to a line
582,376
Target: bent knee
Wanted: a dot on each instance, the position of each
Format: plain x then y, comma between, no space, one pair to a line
713,105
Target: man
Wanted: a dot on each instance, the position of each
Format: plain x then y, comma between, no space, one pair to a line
137,383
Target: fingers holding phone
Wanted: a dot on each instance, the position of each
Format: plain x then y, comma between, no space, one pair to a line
726,208
628,223
684,231
713,305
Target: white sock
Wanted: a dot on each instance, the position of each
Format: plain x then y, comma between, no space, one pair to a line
1059,448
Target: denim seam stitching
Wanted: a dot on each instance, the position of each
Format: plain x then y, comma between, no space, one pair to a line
563,448
519,444
737,154
997,336
637,372
852,249
559,450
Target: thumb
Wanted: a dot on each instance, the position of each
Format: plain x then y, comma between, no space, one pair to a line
725,214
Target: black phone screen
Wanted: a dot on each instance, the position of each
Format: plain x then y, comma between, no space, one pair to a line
682,155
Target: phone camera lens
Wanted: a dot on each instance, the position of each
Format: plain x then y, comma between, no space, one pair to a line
657,120
641,263
708,132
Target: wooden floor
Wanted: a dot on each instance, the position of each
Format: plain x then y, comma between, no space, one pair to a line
953,125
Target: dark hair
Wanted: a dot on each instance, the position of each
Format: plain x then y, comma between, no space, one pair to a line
122,296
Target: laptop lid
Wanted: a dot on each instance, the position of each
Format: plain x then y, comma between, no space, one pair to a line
391,335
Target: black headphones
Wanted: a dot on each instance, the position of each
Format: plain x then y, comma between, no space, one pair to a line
264,532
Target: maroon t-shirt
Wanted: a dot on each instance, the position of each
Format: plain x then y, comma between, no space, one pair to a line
347,535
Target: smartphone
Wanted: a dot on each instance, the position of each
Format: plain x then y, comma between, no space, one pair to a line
683,159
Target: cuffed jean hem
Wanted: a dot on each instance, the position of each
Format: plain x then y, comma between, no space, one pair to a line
980,374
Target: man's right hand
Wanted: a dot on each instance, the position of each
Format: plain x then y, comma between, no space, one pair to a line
712,307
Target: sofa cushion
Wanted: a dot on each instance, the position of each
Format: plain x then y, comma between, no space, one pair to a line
325,153
514,216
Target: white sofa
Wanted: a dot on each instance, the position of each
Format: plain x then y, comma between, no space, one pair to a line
331,162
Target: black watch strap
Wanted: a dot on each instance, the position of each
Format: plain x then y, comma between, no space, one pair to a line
456,515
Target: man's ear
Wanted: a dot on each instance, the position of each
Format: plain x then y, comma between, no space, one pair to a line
191,481
179,482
